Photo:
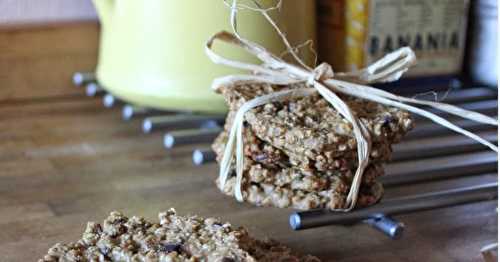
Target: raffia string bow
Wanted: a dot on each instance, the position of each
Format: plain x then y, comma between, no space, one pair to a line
322,79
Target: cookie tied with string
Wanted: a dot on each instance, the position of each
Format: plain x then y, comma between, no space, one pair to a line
313,112
301,153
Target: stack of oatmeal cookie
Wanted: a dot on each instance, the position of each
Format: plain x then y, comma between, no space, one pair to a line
302,153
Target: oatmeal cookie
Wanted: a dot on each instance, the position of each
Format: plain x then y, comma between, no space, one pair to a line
297,180
263,153
174,238
310,128
262,194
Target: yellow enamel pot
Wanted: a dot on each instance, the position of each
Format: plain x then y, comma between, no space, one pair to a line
152,51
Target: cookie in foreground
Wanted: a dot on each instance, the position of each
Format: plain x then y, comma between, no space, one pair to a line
174,238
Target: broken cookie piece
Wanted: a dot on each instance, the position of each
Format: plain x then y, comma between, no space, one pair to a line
174,238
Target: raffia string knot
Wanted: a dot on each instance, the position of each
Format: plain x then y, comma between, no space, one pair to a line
322,80
320,73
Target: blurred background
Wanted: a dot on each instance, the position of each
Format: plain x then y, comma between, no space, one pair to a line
145,59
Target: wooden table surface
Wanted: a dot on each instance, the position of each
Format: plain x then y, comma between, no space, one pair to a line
67,160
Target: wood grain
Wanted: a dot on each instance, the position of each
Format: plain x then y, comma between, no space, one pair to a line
38,61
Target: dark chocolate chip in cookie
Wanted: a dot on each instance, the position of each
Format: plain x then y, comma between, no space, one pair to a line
170,247
387,120
104,250
260,157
